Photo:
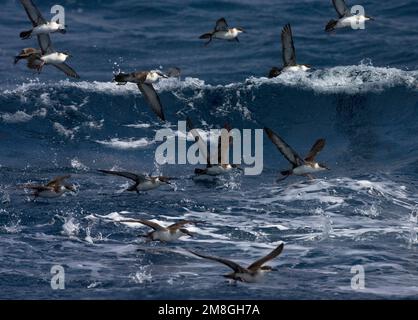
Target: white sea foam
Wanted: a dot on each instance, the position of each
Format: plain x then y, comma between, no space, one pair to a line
126,144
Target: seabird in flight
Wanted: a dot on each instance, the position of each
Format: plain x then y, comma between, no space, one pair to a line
164,234
345,17
142,182
301,167
253,273
144,81
53,189
289,55
223,32
211,169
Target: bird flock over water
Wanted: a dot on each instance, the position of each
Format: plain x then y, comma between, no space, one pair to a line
45,54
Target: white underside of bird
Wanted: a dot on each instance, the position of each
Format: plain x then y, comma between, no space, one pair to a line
149,185
230,34
167,236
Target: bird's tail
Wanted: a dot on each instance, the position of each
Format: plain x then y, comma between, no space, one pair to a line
26,34
200,171
331,25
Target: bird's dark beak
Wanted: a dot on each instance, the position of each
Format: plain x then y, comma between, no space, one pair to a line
371,18
274,269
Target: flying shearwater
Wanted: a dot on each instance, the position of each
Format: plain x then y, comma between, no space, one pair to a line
40,25
211,169
164,234
142,182
53,189
29,54
47,54
144,81
223,32
253,273
301,167
288,54
345,17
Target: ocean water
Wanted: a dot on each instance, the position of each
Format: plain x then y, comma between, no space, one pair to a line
362,96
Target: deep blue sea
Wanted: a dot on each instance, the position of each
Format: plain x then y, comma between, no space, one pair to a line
362,96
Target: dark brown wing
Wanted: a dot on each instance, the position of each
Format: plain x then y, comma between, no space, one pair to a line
284,148
152,98
36,187
33,13
234,266
316,148
259,263
288,47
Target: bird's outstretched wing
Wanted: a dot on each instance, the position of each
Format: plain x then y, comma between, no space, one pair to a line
138,178
288,47
256,265
234,266
67,70
341,8
152,98
33,13
198,138
284,148
221,25
316,148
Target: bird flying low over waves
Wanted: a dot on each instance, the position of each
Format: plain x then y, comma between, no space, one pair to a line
345,17
164,234
142,182
53,189
144,81
253,273
301,167
40,25
222,32
212,169
288,54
